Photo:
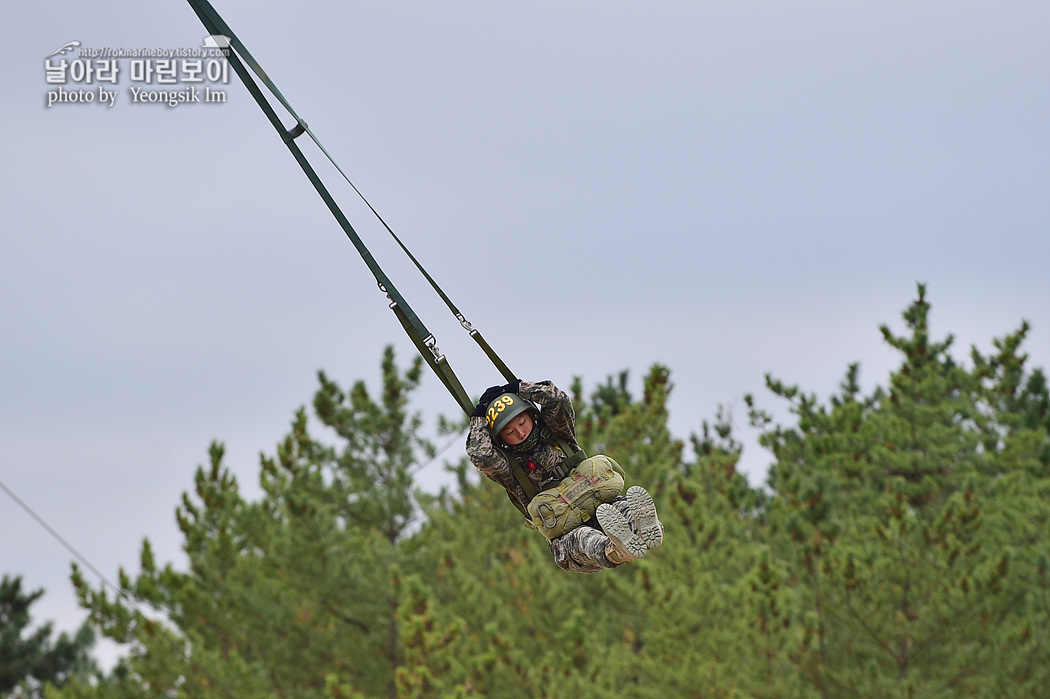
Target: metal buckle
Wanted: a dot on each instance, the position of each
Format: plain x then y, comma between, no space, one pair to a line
393,303
431,344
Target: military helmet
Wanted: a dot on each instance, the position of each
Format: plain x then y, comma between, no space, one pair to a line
504,408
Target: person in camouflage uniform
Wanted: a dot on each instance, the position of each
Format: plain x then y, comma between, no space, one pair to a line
625,528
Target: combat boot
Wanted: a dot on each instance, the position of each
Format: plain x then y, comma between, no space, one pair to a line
624,545
642,507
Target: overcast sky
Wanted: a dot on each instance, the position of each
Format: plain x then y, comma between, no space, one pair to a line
726,188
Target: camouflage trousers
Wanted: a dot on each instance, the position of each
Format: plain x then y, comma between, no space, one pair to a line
582,550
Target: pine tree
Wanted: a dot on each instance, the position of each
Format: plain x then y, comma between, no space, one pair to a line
716,615
30,662
898,550
297,594
895,517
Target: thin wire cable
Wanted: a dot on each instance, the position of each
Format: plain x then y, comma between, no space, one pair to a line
440,452
135,603
68,546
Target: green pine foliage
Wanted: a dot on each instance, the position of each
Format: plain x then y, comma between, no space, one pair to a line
899,548
29,660
910,523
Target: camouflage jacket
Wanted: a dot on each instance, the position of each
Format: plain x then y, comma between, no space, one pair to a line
557,415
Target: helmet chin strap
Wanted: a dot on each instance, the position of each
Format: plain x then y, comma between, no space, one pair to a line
529,442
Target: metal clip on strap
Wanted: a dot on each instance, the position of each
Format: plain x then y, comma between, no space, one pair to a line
298,130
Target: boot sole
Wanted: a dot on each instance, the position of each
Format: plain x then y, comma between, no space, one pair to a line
616,528
644,510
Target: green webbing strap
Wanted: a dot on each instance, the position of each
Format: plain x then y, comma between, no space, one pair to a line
573,458
215,24
435,359
422,338
517,467
471,330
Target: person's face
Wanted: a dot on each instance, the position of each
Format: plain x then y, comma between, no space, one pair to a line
517,430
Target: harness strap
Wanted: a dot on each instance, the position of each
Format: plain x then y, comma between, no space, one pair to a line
422,338
575,457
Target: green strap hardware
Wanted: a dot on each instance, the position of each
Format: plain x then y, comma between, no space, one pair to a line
424,341
517,466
